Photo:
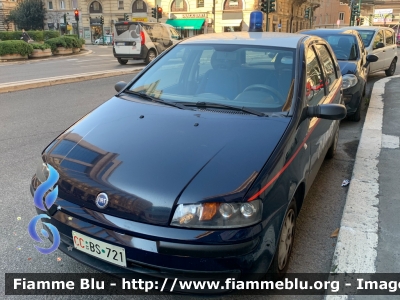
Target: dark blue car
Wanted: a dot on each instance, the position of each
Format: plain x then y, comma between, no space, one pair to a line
200,165
351,54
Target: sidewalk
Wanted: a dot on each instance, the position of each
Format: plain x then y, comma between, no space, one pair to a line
369,232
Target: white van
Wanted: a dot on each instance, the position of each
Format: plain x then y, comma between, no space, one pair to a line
380,41
137,40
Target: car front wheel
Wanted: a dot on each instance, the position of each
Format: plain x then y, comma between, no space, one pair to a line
392,68
284,248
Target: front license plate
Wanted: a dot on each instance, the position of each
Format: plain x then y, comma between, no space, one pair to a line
120,44
99,249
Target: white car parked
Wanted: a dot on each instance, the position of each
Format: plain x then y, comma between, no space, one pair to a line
380,41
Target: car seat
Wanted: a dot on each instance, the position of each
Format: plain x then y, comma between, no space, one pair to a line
221,79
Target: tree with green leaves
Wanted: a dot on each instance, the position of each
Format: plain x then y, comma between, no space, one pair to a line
29,15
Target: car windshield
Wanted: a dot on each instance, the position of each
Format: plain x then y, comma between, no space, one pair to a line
366,36
255,77
344,46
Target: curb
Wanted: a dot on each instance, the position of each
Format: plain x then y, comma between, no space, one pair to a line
355,250
43,82
22,61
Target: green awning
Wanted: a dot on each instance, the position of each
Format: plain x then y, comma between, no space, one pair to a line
195,24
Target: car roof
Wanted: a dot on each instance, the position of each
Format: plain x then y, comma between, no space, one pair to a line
286,40
325,31
368,28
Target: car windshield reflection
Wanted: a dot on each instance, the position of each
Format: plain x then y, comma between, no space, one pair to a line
256,77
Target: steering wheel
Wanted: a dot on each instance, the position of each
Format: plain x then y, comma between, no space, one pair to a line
280,99
341,54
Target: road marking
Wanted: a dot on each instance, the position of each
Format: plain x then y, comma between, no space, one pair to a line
72,59
42,82
390,141
358,236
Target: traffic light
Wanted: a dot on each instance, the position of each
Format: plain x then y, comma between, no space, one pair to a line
126,17
362,21
354,10
159,12
307,13
264,6
76,13
358,21
271,6
102,20
154,12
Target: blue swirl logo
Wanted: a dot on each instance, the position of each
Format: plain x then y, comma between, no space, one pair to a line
48,202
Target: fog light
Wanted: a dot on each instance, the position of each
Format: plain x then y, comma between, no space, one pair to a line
247,209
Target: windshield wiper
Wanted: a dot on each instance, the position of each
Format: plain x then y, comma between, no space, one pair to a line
218,105
153,99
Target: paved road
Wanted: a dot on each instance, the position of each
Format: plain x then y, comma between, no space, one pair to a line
100,59
31,119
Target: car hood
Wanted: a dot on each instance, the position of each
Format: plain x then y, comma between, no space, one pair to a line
347,67
148,157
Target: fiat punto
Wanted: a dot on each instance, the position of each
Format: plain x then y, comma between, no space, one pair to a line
200,164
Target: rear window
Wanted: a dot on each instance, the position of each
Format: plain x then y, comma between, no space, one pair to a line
120,29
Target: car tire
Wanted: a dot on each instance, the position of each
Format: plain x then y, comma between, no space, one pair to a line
280,262
122,61
392,68
151,55
332,149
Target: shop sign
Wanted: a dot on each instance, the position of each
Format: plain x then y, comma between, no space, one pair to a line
139,19
192,16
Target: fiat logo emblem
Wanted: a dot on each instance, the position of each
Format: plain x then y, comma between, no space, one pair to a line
101,200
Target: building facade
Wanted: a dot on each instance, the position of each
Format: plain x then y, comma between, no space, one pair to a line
332,14
5,7
190,17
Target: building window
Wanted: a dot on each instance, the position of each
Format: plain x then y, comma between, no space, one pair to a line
139,6
120,4
179,5
233,5
95,8
62,4
200,3
74,3
50,4
341,16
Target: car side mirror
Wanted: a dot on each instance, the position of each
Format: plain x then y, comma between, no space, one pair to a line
327,111
371,58
120,85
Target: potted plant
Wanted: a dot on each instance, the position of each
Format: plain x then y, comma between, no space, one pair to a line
15,50
40,50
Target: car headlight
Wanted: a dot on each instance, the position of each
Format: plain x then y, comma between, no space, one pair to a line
217,215
42,171
349,80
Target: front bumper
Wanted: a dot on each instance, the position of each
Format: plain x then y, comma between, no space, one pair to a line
352,98
163,252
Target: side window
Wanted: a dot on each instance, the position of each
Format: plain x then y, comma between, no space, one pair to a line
378,38
327,65
389,38
314,79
